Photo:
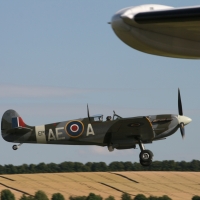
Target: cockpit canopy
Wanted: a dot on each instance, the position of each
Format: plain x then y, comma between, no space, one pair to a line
97,118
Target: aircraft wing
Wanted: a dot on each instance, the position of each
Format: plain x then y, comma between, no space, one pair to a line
182,23
134,127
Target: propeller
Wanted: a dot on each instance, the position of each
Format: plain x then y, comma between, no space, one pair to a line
180,111
88,113
182,129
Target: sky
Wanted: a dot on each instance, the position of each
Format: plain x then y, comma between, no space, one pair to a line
58,56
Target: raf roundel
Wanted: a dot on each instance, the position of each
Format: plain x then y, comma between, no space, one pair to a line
74,128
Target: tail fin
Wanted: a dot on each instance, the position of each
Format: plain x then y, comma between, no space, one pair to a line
10,120
12,123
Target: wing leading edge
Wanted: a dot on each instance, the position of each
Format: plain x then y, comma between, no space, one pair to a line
183,23
169,16
160,30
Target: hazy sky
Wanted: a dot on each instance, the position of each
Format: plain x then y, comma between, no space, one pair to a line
57,56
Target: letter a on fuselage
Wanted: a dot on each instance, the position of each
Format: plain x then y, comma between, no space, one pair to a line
90,130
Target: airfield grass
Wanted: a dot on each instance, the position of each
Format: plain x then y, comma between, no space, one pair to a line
177,185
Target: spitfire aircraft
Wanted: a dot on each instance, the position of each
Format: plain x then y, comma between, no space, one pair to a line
115,132
160,30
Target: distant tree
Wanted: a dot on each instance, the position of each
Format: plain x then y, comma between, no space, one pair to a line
183,166
32,168
77,198
23,169
196,197
89,165
93,196
99,167
40,195
166,165
194,165
42,167
110,198
66,167
153,198
2,169
24,197
140,197
165,197
128,166
11,169
7,195
78,167
156,165
125,196
103,167
137,167
57,196
53,167
116,166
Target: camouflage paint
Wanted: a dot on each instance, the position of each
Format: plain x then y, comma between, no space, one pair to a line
123,132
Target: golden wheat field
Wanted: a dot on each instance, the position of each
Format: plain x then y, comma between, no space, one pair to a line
177,185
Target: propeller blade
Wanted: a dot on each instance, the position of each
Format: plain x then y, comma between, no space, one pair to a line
182,129
88,112
180,110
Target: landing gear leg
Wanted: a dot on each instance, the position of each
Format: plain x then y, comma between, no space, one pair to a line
146,156
110,144
15,147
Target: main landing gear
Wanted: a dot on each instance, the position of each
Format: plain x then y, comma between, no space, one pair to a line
15,147
145,156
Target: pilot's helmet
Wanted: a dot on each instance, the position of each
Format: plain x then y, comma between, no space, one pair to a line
108,118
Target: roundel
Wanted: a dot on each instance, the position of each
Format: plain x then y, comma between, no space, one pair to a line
74,128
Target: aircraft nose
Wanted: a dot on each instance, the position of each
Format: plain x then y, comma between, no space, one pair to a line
118,23
184,119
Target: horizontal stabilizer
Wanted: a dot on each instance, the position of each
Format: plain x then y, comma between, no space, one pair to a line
20,130
160,139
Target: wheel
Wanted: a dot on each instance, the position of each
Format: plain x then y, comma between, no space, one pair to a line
15,147
146,155
145,163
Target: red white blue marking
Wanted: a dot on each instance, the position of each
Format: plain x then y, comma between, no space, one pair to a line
74,128
17,122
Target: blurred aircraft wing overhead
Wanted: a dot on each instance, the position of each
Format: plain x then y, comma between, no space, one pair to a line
160,30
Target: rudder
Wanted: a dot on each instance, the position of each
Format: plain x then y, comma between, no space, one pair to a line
11,122
11,119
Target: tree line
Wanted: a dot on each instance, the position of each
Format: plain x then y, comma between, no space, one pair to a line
40,195
166,165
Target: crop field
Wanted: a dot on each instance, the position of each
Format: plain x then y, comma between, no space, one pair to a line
177,185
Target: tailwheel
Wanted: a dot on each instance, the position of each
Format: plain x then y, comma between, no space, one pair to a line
14,147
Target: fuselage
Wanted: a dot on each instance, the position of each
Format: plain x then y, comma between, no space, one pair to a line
123,132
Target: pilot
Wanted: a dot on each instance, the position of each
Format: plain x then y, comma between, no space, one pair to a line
108,118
